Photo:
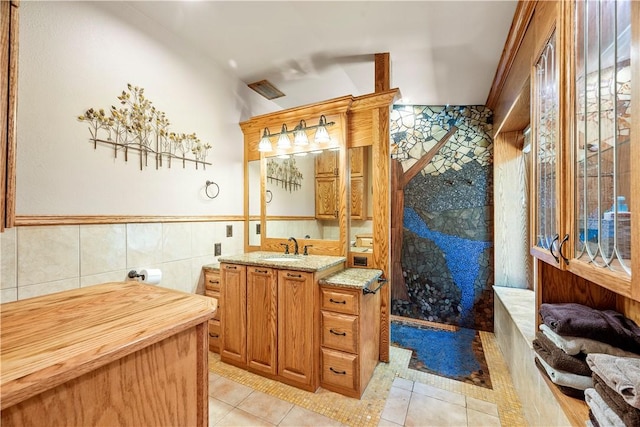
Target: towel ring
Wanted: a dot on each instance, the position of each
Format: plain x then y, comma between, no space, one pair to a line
217,189
268,196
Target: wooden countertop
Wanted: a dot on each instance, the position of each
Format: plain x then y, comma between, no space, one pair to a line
48,340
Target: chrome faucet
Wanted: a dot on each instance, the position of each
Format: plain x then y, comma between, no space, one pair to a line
295,245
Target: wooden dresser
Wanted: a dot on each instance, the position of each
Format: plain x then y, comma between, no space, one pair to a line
112,354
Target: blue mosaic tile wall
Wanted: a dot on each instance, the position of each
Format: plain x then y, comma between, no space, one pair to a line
447,251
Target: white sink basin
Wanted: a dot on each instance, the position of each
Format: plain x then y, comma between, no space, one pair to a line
281,258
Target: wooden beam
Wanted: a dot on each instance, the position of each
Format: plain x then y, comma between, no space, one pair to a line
382,80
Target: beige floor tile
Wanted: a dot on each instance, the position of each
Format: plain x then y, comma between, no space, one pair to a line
395,409
403,383
300,417
482,406
217,410
386,423
229,391
266,407
429,411
238,417
477,418
438,393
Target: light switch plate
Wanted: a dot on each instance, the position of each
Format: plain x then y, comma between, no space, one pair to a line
229,230
217,249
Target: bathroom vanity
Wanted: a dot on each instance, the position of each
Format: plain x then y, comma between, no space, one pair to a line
302,320
120,353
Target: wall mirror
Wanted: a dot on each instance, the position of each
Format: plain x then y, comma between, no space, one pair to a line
361,196
298,192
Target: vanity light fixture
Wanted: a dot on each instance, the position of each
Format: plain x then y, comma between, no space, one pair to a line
283,139
265,142
322,134
300,137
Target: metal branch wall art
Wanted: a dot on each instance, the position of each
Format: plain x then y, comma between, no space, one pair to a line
285,174
138,126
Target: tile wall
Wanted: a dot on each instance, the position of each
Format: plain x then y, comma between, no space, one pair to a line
45,259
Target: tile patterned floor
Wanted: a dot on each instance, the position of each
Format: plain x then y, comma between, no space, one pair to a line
395,396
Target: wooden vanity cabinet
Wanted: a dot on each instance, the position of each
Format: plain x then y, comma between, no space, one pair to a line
233,319
212,289
270,322
295,328
349,339
262,319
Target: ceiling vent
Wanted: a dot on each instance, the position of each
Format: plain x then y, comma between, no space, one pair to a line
266,89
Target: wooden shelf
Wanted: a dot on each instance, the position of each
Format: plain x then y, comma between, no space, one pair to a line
576,410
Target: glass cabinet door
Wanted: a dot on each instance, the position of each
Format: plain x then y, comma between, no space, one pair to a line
546,240
601,135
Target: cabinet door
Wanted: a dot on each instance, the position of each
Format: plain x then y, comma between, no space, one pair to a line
327,163
233,319
546,234
326,198
605,142
358,199
357,161
295,327
262,293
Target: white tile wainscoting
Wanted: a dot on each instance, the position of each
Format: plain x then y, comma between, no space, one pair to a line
41,260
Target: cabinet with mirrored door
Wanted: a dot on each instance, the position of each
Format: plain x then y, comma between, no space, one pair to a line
587,151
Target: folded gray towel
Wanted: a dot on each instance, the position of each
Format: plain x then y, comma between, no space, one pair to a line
559,359
601,411
578,320
622,374
575,345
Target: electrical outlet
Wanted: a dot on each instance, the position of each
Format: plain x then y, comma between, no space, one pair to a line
257,228
229,230
217,249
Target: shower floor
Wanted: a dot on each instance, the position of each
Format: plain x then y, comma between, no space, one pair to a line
443,350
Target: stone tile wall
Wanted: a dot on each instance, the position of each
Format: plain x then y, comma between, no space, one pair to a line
447,253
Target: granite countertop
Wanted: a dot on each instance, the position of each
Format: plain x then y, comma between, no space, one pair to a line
352,278
211,267
279,260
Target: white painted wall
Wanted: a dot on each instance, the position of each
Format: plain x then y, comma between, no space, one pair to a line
77,55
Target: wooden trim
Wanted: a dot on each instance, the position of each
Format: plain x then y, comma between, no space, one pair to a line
34,220
332,106
374,100
521,19
381,64
8,109
616,282
635,153
382,220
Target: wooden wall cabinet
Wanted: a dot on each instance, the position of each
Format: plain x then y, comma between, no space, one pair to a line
327,180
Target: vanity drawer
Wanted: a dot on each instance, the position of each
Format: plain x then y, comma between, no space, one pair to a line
339,301
214,335
212,281
340,331
339,368
216,295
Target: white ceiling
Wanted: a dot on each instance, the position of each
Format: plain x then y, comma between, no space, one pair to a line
442,52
